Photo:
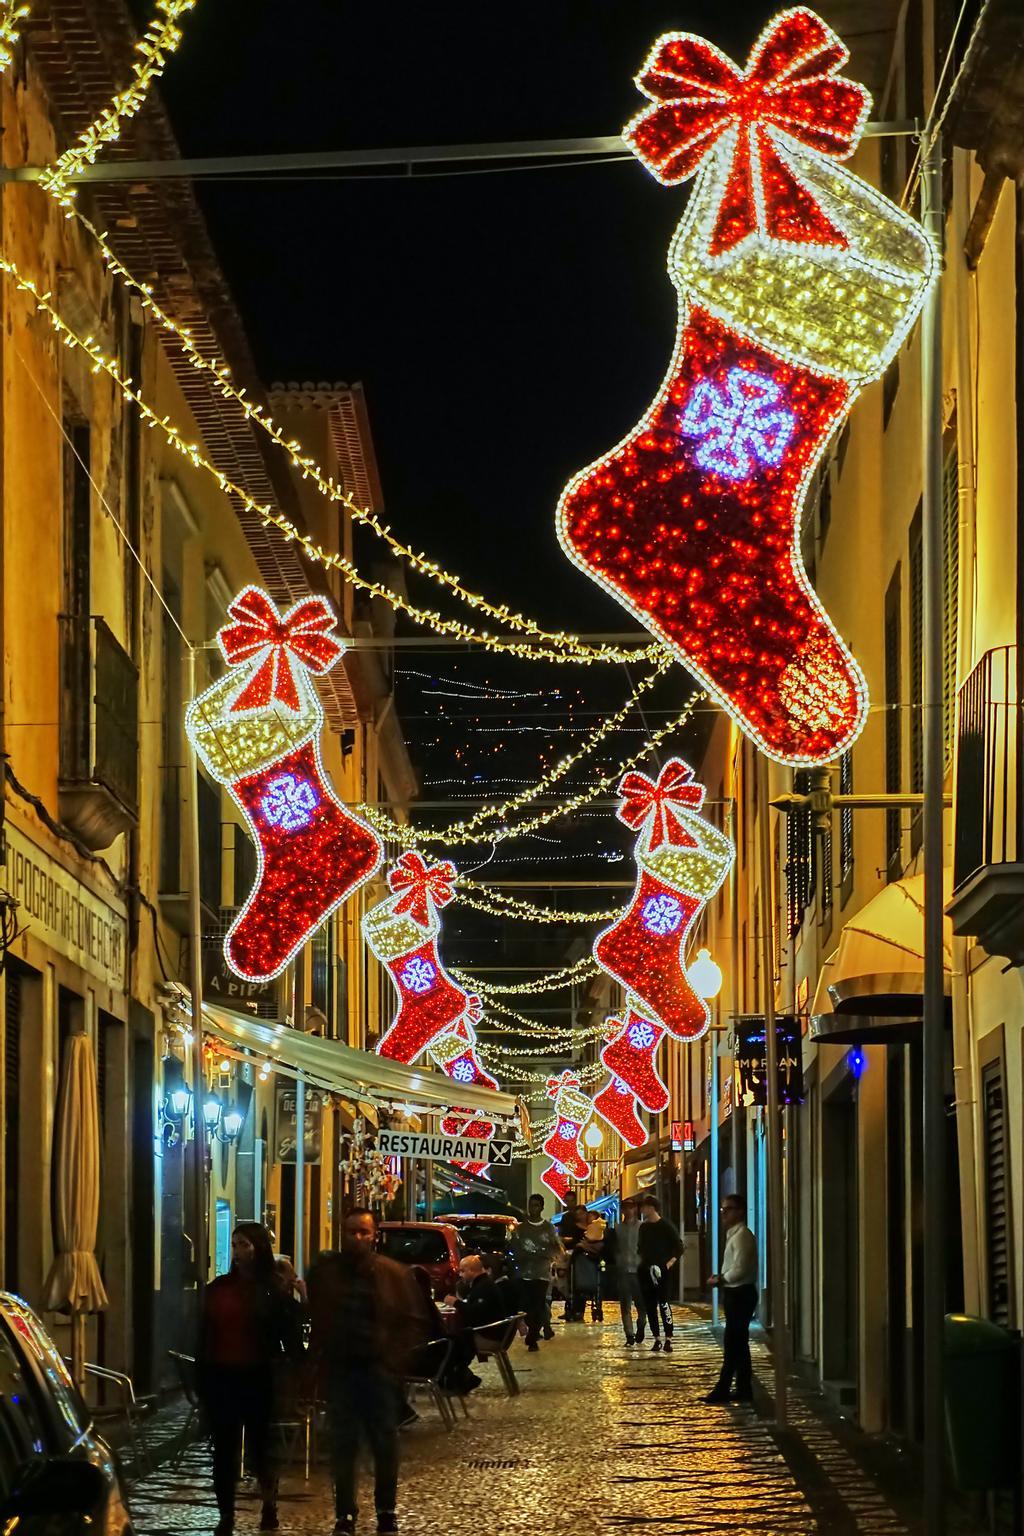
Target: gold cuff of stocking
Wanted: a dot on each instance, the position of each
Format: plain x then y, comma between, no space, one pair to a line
842,312
232,746
389,934
572,1105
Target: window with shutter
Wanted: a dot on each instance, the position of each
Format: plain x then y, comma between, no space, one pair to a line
997,1192
846,825
950,593
893,721
799,857
916,672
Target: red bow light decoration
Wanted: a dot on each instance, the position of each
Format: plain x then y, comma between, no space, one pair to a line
790,91
260,633
474,1009
645,802
568,1079
423,885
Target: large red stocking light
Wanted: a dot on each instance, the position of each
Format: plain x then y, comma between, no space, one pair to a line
257,731
681,863
797,284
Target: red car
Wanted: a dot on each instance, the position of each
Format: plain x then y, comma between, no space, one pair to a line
485,1234
433,1245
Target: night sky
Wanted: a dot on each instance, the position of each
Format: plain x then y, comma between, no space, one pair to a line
507,328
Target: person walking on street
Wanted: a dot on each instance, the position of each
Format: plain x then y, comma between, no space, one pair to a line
660,1248
622,1255
738,1284
535,1248
367,1317
249,1329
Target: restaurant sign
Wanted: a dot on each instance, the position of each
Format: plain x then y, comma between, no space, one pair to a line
63,913
752,1060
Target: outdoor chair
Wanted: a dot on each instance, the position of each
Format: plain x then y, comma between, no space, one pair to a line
131,1407
494,1343
433,1359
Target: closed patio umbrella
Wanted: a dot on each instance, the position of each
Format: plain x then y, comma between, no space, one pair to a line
74,1283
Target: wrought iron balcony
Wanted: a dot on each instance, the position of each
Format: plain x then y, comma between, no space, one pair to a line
988,845
99,732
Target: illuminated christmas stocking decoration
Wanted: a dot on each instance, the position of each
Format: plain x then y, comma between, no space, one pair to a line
557,1180
797,285
456,1054
257,731
572,1110
682,860
629,1056
617,1105
402,931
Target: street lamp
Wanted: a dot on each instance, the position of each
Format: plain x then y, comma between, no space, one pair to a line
593,1136
705,976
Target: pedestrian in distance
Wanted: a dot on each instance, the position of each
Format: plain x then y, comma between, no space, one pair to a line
737,1283
588,1260
660,1248
535,1248
368,1318
622,1256
249,1329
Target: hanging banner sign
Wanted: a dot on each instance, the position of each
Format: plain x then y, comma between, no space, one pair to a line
286,1124
752,1060
444,1149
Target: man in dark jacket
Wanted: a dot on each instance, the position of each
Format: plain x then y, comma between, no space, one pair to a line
660,1248
367,1317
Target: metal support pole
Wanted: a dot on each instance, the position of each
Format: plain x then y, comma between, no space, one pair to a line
200,1237
738,1184
716,1194
429,1166
776,1212
934,1032
298,1022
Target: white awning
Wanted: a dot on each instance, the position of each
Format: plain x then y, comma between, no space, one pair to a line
360,1075
875,976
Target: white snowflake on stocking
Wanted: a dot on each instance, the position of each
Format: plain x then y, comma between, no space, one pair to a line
742,423
463,1071
662,914
289,802
568,1130
419,975
641,1035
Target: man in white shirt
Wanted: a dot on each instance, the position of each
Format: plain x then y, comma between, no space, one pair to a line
738,1284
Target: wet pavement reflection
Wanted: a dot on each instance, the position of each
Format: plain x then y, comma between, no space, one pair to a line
601,1438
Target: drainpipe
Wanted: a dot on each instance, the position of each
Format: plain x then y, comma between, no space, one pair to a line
965,1093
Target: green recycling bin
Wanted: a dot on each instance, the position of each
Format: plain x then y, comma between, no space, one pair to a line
983,1403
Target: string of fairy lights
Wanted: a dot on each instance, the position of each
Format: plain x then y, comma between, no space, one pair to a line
161,39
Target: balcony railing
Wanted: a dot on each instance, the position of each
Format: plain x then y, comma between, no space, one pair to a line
988,842
99,734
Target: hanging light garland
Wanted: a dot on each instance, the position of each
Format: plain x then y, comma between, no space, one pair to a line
497,904
162,39
460,832
10,15
580,970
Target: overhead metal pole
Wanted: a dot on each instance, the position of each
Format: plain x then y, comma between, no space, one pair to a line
715,1180
201,1237
934,1031
776,1212
314,162
299,1022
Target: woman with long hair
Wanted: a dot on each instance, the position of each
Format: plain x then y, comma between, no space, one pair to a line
248,1328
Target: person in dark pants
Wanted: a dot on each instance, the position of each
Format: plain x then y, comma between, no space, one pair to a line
622,1256
535,1248
367,1317
738,1285
660,1248
249,1328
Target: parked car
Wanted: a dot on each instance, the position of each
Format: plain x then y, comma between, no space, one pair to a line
57,1477
433,1245
485,1234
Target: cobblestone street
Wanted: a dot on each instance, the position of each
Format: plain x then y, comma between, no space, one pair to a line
601,1438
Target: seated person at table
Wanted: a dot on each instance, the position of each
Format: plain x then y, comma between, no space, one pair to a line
457,1376
505,1283
477,1300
